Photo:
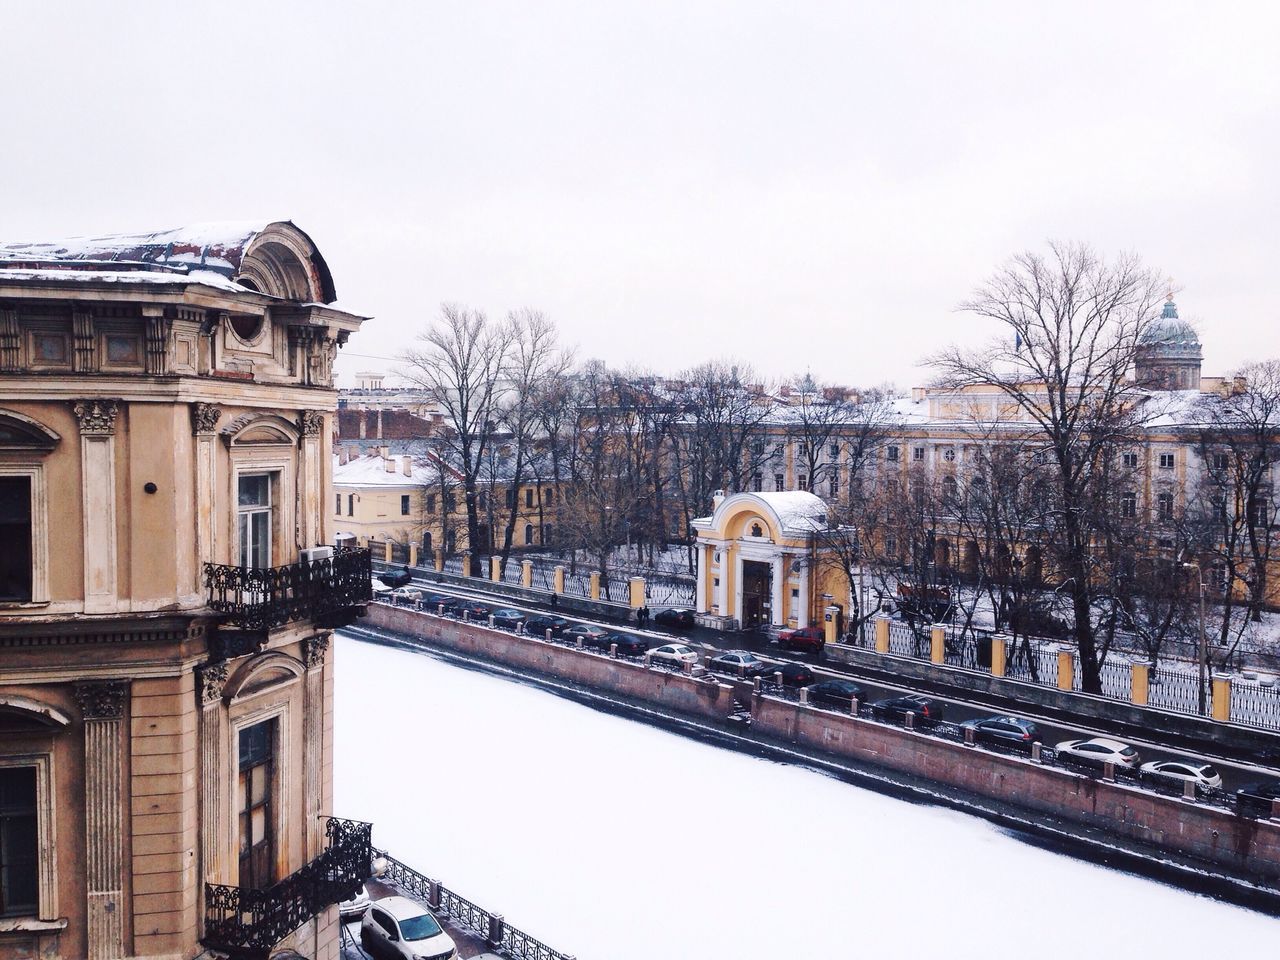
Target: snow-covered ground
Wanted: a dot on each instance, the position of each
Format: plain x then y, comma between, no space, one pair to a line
612,840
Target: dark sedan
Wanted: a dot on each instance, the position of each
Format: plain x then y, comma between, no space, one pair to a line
508,619
590,635
794,675
630,646
1011,732
927,712
675,618
539,625
457,606
835,693
1255,800
739,663
396,578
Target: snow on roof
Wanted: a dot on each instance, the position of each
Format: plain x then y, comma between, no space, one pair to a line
218,245
794,507
371,471
140,277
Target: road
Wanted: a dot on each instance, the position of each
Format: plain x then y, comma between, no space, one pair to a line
1235,772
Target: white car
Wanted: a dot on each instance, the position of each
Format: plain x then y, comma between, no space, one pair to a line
354,908
379,588
407,595
1177,772
397,928
1095,751
674,653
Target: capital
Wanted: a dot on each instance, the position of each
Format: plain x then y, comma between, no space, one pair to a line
204,417
97,417
210,679
312,423
102,700
313,649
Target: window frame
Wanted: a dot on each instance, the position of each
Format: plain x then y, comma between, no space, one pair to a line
254,510
46,836
35,473
406,501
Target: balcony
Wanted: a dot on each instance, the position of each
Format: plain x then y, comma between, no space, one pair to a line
328,592
248,924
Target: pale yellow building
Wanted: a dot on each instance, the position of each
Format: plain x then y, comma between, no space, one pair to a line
166,682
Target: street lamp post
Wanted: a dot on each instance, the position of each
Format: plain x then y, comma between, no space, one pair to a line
1202,654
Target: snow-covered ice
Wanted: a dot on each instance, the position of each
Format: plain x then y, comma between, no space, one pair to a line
613,840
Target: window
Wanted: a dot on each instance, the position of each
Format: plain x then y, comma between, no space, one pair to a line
917,453
450,502
835,487
1260,512
778,482
949,489
804,482
484,500
757,447
1130,461
528,533
891,453
511,499
1220,461
834,451
19,861
404,504
547,530
548,497
949,454
1166,461
254,507
528,497
1164,506
431,503
254,806
351,504
426,542
15,534
337,504
757,482
1128,504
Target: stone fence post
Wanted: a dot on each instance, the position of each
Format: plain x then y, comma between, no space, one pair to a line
636,585
938,644
526,574
999,650
1222,697
1140,683
595,585
1066,669
882,634
558,582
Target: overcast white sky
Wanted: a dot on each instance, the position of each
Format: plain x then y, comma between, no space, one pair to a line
796,185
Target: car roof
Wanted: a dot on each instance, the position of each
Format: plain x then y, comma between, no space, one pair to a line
402,908
1116,745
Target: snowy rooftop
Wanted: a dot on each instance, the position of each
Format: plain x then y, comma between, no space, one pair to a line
124,277
217,246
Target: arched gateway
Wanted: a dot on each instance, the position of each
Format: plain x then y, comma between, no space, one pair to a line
766,559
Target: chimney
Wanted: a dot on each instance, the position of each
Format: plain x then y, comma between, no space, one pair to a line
343,455
386,452
717,498
406,466
379,423
388,464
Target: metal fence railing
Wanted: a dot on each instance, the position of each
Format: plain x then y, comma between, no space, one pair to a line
1255,703
492,927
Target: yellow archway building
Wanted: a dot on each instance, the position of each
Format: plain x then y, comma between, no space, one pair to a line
762,561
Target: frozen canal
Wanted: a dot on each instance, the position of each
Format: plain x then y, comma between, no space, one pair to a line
615,841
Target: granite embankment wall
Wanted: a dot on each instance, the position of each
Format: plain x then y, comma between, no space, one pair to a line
1214,836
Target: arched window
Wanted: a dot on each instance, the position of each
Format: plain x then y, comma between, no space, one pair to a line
528,533
426,542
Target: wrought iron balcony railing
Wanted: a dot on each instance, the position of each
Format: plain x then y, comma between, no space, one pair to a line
260,598
248,924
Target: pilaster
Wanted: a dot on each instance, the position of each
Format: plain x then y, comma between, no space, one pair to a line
102,706
313,654
10,341
204,427
311,425
214,778
97,419
84,351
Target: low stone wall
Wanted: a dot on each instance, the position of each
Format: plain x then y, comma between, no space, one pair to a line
1209,834
694,697
1182,729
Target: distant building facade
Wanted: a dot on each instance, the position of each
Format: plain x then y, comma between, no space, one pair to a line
166,682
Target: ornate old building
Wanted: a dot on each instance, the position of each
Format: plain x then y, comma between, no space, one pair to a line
166,403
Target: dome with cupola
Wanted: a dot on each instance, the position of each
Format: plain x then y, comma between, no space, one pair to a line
1168,355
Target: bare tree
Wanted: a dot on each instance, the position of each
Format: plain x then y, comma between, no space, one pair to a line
459,363
816,417
1072,326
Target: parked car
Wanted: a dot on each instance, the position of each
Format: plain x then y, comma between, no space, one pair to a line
809,639
457,606
433,601
1254,799
354,908
794,675
1178,772
835,693
739,663
406,595
540,624
508,619
397,928
396,578
590,635
1004,732
674,653
1095,751
926,711
627,644
378,587
675,618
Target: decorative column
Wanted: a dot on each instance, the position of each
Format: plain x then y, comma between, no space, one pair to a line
700,596
102,706
803,610
313,654
97,420
311,496
214,777
777,602
722,590
10,340
204,428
